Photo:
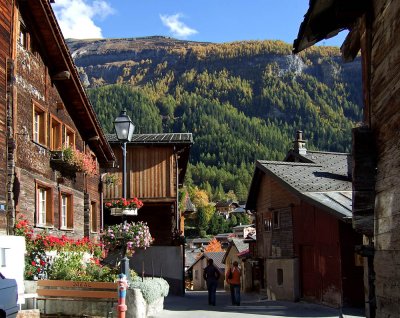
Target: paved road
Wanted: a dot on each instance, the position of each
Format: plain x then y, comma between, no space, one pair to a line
194,305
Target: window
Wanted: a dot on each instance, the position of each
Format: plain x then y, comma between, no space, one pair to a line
44,205
279,276
276,219
93,217
66,211
39,124
69,137
55,134
23,37
268,222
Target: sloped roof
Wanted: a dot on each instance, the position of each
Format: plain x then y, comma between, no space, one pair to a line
162,138
322,180
201,240
326,18
217,257
243,226
226,203
240,245
191,256
189,206
244,253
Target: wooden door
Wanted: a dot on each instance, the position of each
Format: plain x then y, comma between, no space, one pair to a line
310,281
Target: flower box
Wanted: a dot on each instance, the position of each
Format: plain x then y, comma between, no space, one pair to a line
124,211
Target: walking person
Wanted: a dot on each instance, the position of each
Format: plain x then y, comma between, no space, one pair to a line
211,275
233,279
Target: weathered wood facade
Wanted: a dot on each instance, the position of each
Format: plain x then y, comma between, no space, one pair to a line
373,26
5,55
156,167
306,245
46,110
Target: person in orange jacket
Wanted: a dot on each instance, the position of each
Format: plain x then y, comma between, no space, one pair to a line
233,279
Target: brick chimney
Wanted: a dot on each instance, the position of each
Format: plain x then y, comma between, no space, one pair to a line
299,144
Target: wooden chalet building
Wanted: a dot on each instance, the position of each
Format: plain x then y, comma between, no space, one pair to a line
374,27
226,207
44,108
304,233
156,168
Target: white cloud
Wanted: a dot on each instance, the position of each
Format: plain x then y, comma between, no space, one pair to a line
76,17
176,27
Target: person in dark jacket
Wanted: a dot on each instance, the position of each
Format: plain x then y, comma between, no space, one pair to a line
211,275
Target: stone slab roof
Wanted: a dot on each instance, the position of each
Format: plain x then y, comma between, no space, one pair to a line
164,138
321,178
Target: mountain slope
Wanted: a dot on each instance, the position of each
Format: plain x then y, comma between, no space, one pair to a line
242,101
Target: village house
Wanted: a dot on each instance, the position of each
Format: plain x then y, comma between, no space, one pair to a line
257,265
304,232
242,231
196,270
235,249
226,207
43,110
156,168
373,29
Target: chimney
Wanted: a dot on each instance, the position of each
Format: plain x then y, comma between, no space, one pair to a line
299,144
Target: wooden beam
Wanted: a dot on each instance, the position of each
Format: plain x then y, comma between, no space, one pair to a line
351,45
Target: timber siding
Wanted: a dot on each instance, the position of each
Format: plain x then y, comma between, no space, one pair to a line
42,112
5,39
272,198
384,90
374,27
33,86
156,166
151,173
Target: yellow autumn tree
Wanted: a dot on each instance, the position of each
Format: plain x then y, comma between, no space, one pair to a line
213,246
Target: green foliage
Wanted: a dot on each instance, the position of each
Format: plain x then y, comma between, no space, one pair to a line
151,288
69,266
108,102
243,101
202,222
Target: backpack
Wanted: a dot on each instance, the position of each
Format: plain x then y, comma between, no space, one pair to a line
230,275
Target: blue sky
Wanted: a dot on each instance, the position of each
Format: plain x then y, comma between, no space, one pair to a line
201,20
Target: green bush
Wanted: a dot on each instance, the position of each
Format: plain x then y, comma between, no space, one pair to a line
69,266
151,288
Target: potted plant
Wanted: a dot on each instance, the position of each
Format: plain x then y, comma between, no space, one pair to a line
124,207
132,235
111,179
72,160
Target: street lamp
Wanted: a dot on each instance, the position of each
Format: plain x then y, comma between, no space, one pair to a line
124,129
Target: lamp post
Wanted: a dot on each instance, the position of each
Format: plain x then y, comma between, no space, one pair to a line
124,129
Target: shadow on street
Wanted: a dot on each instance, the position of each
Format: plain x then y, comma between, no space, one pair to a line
195,305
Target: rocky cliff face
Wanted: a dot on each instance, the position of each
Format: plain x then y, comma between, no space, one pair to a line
138,60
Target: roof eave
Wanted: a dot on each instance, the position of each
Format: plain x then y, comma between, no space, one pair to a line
300,194
44,15
325,19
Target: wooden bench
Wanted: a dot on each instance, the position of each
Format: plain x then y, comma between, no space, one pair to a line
76,291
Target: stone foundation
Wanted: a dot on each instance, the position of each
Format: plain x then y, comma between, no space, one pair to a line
31,313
